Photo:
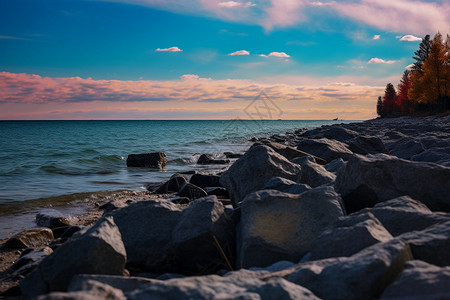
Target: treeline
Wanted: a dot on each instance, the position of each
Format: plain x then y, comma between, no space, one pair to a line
425,87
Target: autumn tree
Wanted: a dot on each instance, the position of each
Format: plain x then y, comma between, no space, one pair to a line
389,99
402,88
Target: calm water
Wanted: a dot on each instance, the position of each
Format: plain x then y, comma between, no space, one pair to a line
40,159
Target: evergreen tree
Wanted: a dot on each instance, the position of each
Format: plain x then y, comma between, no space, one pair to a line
422,54
380,107
403,87
389,99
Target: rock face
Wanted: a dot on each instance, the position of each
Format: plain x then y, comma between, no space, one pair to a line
278,226
156,160
325,148
419,281
98,251
367,180
30,238
348,236
362,276
252,171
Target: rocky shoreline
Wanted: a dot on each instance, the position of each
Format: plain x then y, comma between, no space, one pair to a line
348,211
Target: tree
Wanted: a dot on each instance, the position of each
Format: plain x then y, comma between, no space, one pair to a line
403,88
380,107
389,99
421,55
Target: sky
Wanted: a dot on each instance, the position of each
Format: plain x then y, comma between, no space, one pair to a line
206,59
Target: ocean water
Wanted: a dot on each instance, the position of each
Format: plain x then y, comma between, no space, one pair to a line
42,159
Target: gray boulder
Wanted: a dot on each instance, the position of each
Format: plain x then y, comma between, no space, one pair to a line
418,281
368,180
325,148
366,145
204,180
362,276
406,148
413,214
252,171
348,236
335,132
279,226
431,245
286,186
156,160
206,159
335,165
98,251
315,175
173,185
289,152
52,218
91,290
192,191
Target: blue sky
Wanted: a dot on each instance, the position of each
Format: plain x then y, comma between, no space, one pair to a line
313,44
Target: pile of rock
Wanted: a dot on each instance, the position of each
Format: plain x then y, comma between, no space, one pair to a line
349,221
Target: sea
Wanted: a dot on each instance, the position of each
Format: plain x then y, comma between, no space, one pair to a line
49,163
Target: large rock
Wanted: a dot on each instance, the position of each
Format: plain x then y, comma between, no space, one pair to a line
366,145
420,281
192,191
335,165
289,152
146,229
156,160
368,180
30,238
204,180
325,148
98,251
406,148
348,236
414,215
204,229
362,276
206,159
335,132
91,290
252,171
173,185
279,226
315,175
286,186
431,245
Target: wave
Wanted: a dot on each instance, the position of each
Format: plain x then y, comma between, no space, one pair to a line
102,164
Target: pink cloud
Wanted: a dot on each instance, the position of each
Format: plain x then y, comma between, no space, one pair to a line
376,37
240,52
232,4
276,54
410,38
171,49
25,96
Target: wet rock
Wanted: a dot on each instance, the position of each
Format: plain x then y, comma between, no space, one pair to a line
99,250
30,238
192,191
279,226
206,159
52,218
286,186
420,280
156,160
325,148
203,180
252,171
368,180
348,236
173,185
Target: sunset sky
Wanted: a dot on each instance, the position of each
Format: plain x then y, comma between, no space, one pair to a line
205,59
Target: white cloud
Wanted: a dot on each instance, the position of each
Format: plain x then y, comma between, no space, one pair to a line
376,37
409,67
410,38
189,76
231,4
377,60
171,49
240,52
276,54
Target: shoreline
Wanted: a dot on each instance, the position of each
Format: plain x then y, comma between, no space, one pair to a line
412,140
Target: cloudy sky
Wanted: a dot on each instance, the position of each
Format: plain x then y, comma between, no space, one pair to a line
205,59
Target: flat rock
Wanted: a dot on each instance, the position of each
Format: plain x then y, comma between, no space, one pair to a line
52,218
98,251
252,171
156,160
30,238
348,236
420,280
279,226
325,148
286,186
368,180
